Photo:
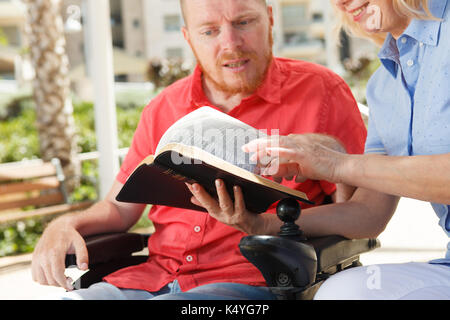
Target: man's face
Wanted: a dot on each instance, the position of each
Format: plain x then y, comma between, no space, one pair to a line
232,41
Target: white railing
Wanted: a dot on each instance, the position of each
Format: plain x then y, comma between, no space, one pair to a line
93,155
8,86
87,156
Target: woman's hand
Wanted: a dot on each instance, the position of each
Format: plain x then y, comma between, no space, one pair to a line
224,210
305,156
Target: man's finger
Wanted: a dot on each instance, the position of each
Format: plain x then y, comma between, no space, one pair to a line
225,202
239,203
57,271
207,202
48,273
196,202
39,276
81,253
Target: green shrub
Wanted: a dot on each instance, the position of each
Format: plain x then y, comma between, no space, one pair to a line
19,140
20,237
19,137
83,114
88,186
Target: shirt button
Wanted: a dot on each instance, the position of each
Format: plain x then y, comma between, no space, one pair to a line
403,40
410,63
421,44
189,258
197,228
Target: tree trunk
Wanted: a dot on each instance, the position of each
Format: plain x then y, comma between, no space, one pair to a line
51,86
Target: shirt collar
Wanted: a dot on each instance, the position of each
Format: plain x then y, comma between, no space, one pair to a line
269,90
389,54
197,95
427,31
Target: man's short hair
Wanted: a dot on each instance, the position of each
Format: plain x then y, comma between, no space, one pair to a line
182,2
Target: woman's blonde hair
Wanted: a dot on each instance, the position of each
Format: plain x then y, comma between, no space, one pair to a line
415,9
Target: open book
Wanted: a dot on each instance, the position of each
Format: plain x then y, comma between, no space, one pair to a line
201,147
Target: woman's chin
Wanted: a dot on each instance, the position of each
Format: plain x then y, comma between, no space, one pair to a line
373,30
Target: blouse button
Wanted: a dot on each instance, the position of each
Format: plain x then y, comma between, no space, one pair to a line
403,40
189,258
197,228
410,63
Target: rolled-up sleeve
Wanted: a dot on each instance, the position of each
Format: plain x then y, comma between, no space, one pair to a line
373,144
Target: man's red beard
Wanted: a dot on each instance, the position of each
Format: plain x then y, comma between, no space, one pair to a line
245,85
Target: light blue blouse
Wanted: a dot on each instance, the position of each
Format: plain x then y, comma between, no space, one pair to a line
409,96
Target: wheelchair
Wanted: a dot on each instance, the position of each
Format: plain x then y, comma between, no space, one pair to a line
293,266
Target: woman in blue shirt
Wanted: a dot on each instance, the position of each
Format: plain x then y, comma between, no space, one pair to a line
407,150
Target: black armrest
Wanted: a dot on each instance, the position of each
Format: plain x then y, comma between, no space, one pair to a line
111,246
108,253
296,269
335,251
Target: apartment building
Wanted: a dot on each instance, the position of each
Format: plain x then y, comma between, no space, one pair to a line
298,31
143,30
12,19
162,27
150,29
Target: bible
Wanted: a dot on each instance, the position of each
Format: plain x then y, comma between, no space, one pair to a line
201,147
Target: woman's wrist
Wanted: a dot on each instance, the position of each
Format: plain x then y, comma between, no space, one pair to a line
346,167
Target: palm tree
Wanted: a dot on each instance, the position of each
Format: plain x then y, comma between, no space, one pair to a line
51,86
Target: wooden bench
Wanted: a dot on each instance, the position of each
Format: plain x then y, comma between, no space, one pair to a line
34,188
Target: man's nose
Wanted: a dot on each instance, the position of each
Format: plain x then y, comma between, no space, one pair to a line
230,38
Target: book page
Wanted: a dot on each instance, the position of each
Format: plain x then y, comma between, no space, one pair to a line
216,133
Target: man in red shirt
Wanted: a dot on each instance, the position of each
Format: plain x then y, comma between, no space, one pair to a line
195,254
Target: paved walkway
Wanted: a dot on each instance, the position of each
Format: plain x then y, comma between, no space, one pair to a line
412,235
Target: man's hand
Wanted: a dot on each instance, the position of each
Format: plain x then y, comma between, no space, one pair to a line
224,210
48,263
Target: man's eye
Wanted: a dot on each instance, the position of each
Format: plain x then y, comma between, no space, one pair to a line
208,32
243,23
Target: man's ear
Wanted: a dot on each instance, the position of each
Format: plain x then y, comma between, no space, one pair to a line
186,35
270,13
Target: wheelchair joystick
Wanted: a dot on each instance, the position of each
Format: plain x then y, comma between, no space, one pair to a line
286,261
288,211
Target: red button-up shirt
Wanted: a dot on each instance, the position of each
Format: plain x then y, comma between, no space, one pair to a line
191,246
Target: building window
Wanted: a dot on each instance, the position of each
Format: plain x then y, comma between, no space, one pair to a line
294,15
295,38
317,17
10,36
172,23
174,53
295,23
